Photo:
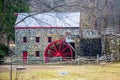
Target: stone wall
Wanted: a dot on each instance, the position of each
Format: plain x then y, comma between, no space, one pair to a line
31,46
112,44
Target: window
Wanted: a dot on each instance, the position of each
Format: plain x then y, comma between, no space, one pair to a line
25,39
49,39
37,39
37,53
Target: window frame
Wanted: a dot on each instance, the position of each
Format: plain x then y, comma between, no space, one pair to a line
37,39
37,53
49,39
24,39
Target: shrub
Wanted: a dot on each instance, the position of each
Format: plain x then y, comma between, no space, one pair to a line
2,54
4,48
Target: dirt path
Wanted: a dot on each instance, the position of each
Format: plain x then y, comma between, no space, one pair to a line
5,68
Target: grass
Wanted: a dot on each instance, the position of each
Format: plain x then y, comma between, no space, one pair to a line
69,72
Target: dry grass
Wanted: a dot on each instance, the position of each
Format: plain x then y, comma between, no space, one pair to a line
82,72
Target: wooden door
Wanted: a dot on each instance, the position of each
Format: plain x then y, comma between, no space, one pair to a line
25,56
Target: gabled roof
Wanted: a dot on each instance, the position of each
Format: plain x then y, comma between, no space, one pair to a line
48,20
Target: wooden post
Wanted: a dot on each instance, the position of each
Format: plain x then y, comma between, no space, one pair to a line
78,60
27,59
118,57
61,60
105,58
112,57
98,59
11,71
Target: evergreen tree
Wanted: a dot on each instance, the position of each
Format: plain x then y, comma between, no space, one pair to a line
8,8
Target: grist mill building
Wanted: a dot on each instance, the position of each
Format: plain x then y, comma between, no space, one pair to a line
46,35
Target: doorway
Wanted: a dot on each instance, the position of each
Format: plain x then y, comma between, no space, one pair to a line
25,54
91,47
73,45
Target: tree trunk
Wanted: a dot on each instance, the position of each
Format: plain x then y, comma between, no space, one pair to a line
8,45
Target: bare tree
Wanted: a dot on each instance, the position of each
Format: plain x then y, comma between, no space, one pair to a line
95,14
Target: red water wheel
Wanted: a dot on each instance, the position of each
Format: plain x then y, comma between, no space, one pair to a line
58,48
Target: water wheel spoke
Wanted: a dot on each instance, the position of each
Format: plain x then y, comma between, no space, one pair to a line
64,49
60,46
55,47
66,54
51,50
49,55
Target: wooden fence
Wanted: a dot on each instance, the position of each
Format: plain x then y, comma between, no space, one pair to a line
77,61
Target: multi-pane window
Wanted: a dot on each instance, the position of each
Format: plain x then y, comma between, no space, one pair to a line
37,39
49,39
37,53
24,39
